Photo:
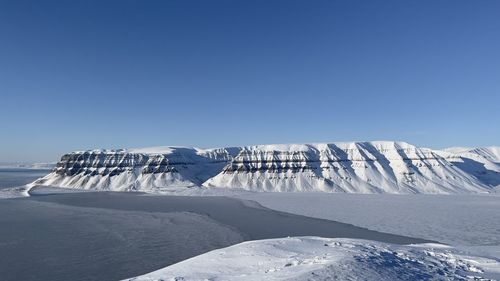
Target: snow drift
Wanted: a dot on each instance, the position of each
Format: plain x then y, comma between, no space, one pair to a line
315,258
352,167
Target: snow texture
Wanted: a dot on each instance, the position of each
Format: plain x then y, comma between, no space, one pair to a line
315,258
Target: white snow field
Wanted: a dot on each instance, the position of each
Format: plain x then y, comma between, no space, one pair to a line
345,167
465,220
315,258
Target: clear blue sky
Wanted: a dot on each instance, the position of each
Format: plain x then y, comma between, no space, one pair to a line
110,74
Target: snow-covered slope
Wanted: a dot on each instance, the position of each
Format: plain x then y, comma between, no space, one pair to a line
314,258
353,167
492,153
482,162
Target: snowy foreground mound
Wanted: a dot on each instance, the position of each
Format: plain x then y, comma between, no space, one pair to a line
314,258
352,167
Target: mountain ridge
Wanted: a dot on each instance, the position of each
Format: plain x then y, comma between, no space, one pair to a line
353,167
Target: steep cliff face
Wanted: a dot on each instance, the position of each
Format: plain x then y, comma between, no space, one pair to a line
360,167
355,167
151,169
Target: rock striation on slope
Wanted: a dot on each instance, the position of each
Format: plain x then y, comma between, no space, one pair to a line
353,167
151,169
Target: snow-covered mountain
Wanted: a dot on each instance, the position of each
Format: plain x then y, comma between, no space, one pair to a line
354,167
147,169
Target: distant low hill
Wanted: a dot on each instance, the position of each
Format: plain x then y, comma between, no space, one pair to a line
26,165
